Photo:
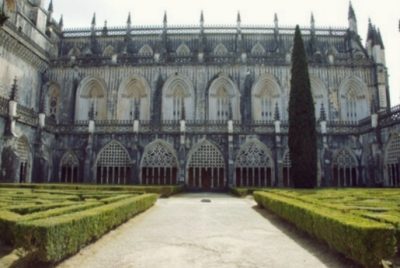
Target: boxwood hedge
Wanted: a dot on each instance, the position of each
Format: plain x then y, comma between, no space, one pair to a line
52,239
365,241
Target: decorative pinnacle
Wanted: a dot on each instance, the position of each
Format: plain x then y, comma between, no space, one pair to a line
61,23
94,19
14,90
277,115
312,19
352,14
276,18
50,9
201,17
165,18
129,19
238,20
322,114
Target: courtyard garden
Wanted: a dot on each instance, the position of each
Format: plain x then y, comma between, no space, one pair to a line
362,224
54,221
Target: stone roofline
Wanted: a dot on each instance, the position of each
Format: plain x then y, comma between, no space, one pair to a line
207,29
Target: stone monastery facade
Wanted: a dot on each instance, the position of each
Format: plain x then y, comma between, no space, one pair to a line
205,106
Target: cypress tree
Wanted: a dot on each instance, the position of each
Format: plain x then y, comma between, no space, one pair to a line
302,132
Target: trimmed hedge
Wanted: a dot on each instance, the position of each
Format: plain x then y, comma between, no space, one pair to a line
365,241
55,238
163,191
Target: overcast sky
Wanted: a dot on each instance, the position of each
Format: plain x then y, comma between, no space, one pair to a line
384,13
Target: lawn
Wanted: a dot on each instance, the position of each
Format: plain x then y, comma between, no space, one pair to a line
363,224
54,222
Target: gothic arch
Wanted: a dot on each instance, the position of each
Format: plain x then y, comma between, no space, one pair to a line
220,50
224,98
353,99
258,50
24,155
91,96
159,164
146,51
113,164
254,165
320,96
69,168
392,161
134,95
266,94
344,168
52,100
183,50
178,98
205,167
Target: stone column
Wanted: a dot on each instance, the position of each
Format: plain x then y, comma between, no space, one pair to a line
231,161
88,172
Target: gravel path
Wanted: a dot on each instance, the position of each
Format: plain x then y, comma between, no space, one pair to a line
182,231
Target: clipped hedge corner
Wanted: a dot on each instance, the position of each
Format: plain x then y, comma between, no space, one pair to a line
55,238
364,241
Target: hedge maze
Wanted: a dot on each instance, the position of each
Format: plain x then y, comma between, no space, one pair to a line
363,224
55,223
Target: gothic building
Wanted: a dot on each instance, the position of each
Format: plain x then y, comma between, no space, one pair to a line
199,105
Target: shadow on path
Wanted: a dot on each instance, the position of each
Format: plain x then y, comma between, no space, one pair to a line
317,248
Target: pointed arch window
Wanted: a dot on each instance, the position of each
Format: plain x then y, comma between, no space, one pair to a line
223,103
392,162
351,105
53,99
113,165
178,102
254,166
69,169
183,51
159,165
344,169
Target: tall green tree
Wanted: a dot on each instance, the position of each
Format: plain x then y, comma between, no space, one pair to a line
302,132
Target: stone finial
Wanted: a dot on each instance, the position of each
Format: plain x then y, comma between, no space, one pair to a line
61,22
312,21
165,20
202,19
105,29
129,21
14,91
183,112
276,21
50,9
277,116
322,114
94,20
352,14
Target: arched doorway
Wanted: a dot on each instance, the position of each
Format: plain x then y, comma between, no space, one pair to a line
159,164
344,169
254,166
113,165
392,162
206,167
69,166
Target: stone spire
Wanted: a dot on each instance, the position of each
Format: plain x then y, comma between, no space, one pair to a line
129,20
312,22
322,114
379,39
93,26
14,91
50,9
105,28
202,19
352,19
277,116
61,22
276,21
165,20
238,21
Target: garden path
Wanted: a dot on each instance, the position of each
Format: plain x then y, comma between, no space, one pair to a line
182,231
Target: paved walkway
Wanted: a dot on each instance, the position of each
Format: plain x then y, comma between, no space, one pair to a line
184,232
